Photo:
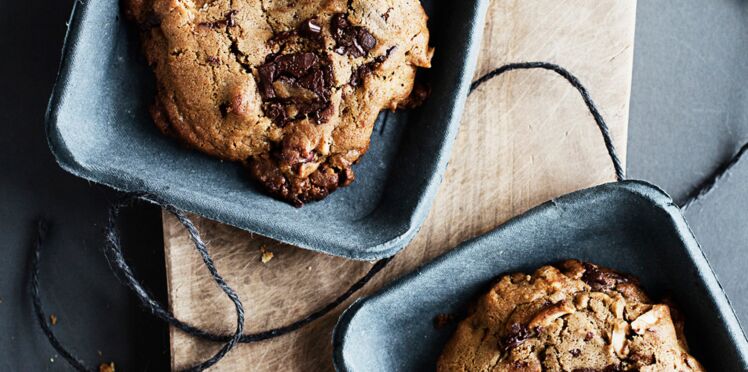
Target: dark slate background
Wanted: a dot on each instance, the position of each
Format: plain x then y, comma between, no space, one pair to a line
689,113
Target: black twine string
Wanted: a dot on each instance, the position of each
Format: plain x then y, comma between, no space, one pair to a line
41,317
125,273
117,260
121,266
710,183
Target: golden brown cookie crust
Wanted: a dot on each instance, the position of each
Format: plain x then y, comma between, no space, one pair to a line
290,88
578,317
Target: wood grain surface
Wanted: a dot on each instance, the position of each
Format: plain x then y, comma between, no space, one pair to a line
525,138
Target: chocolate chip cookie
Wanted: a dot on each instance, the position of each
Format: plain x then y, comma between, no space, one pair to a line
290,88
577,317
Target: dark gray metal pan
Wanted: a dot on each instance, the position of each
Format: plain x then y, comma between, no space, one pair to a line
99,129
630,226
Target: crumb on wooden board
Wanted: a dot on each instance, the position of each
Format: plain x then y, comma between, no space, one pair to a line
266,255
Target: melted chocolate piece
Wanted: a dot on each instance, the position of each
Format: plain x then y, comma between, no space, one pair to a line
267,76
310,28
296,85
276,113
355,41
602,279
517,335
297,64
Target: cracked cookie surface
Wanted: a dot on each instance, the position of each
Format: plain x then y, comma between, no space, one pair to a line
292,89
578,317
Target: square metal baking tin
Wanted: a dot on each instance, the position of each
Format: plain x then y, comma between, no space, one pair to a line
98,127
631,226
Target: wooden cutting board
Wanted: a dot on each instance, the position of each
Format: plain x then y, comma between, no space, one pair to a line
525,138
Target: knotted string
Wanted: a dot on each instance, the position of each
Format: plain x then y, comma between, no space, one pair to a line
123,271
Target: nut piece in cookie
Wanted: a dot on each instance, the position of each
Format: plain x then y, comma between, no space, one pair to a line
574,317
290,89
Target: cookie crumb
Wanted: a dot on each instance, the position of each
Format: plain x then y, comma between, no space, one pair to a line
266,255
442,320
106,367
53,319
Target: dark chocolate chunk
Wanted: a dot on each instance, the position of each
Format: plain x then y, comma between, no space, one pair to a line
267,76
307,108
297,64
355,41
323,116
277,113
314,81
213,60
517,335
310,28
298,83
366,40
338,23
575,352
602,279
